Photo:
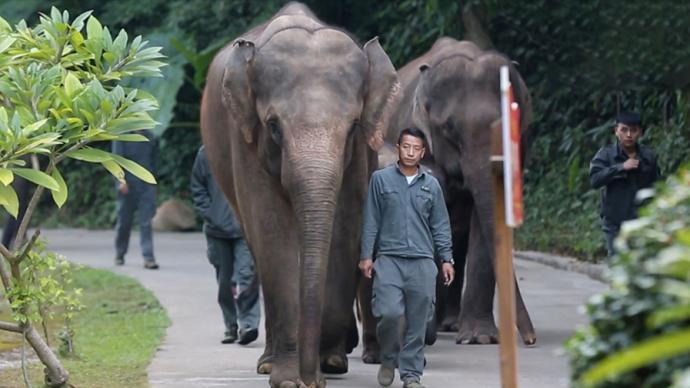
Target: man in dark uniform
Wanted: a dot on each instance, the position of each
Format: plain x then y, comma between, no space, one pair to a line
228,253
620,170
136,195
406,223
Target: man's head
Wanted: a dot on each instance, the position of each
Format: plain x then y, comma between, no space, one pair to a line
410,147
628,128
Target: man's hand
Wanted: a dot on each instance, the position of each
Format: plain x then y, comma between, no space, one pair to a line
448,273
631,164
124,189
367,267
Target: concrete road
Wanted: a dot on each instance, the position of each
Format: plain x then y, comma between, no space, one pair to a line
191,354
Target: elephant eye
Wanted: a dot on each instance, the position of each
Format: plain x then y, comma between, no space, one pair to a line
274,129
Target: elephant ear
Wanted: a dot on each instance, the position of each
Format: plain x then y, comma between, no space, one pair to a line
238,95
383,94
420,112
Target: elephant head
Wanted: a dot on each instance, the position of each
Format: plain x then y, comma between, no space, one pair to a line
456,100
303,96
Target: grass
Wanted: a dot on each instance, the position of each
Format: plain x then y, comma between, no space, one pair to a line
116,335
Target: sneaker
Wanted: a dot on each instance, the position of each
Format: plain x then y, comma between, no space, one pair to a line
230,337
412,382
119,260
151,265
385,375
248,336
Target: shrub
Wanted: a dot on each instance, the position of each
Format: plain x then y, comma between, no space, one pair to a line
639,330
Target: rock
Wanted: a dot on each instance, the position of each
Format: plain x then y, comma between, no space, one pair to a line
174,215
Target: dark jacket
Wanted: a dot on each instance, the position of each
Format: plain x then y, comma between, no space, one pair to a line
141,152
619,187
401,220
210,202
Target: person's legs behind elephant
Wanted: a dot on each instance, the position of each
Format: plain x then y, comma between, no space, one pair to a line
246,281
220,255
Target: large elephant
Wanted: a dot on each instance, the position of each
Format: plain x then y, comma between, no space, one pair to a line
452,94
292,114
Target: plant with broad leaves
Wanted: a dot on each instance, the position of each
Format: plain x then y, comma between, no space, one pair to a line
61,90
639,331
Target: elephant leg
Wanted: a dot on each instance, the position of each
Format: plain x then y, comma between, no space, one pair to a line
278,269
460,207
477,325
371,353
338,325
264,364
451,309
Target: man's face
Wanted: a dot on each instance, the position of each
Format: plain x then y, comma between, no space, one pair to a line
628,134
410,151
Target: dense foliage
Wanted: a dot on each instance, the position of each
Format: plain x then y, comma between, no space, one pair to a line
583,62
639,330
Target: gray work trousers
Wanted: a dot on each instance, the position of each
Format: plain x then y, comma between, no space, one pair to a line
140,198
403,288
234,264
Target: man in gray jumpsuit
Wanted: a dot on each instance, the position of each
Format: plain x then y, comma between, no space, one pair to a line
229,255
406,224
136,195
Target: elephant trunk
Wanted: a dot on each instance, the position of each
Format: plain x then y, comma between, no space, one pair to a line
314,196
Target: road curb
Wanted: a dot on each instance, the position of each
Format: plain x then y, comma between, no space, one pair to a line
594,271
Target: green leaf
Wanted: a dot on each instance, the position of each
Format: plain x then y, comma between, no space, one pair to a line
72,84
60,195
135,168
132,137
38,177
115,170
88,154
6,42
636,356
94,30
9,200
6,176
33,126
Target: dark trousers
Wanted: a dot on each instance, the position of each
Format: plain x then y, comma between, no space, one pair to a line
142,199
234,264
610,233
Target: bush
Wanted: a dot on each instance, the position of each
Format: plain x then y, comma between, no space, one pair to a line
639,330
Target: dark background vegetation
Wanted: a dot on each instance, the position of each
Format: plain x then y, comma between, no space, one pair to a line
583,62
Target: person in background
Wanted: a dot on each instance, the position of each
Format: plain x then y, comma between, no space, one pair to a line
136,195
406,223
229,254
619,170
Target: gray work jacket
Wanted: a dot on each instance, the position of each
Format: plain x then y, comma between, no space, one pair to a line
210,202
401,220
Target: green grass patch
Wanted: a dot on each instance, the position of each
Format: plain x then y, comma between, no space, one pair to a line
116,334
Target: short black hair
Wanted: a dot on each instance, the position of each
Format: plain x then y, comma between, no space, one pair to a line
412,131
629,118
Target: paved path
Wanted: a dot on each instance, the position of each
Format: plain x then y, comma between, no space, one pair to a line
191,354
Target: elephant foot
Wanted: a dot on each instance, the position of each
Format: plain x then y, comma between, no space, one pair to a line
264,365
334,363
371,356
285,374
449,325
477,331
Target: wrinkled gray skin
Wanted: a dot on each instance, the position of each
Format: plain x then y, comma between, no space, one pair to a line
452,94
292,114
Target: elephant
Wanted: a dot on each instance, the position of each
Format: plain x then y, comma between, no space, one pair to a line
292,115
452,94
